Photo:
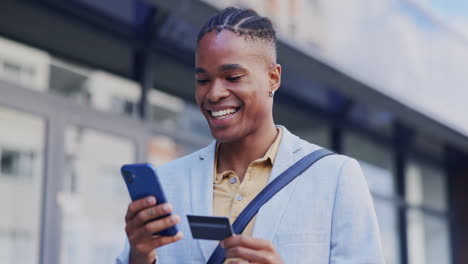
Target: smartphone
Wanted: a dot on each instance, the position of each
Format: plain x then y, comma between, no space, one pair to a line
142,180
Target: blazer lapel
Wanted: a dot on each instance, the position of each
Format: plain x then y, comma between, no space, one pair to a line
270,214
201,182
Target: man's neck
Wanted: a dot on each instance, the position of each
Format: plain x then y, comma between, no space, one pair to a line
238,155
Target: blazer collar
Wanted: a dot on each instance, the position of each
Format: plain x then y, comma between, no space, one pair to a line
201,185
288,152
269,215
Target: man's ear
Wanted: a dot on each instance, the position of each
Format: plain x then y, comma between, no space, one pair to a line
275,77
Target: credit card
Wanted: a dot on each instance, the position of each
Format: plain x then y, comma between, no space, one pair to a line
209,227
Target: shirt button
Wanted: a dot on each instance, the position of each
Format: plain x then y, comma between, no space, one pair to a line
233,180
239,197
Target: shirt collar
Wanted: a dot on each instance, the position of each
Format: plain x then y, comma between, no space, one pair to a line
269,157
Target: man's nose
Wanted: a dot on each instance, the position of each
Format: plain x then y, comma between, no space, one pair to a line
217,92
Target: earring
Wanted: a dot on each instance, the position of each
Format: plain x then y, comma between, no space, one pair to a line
271,93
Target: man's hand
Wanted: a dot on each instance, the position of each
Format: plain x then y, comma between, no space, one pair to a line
140,232
250,249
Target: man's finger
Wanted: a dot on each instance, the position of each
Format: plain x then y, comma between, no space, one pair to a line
137,205
239,262
151,213
252,255
248,242
164,240
161,224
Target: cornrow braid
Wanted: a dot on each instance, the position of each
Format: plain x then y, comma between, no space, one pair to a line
243,22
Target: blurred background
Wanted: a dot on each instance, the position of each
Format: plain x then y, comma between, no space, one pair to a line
88,85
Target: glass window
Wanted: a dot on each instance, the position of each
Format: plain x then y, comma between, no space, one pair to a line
193,121
376,163
380,180
93,199
16,164
430,145
179,118
69,81
162,149
386,215
425,186
21,178
372,118
11,68
303,125
165,109
95,89
428,238
428,232
10,163
123,106
375,160
174,114
23,65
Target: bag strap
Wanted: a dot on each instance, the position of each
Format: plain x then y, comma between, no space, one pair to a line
218,256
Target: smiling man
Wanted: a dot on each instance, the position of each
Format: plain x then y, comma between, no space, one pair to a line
324,216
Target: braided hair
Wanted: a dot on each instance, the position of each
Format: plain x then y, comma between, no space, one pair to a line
243,22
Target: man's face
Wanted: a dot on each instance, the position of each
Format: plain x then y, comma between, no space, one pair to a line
233,80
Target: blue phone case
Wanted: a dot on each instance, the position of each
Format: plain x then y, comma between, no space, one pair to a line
142,181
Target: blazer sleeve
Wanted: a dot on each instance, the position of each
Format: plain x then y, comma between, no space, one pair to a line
355,236
124,257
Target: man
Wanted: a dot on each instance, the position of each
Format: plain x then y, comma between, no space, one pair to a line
324,216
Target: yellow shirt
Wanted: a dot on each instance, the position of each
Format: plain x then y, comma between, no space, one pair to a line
230,196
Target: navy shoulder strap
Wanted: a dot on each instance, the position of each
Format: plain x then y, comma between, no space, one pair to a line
266,194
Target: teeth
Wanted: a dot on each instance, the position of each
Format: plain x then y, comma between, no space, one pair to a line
223,113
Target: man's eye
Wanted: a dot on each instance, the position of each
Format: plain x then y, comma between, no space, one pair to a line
234,78
202,81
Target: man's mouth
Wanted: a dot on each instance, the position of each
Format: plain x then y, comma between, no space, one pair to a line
221,114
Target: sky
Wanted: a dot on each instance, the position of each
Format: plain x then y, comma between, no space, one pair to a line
455,12
449,7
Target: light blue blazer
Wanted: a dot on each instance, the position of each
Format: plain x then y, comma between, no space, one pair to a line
325,215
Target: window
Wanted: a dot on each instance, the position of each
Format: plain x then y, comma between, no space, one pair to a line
24,65
16,164
428,234
123,106
304,126
69,81
377,165
14,243
372,118
94,198
17,72
10,163
21,178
